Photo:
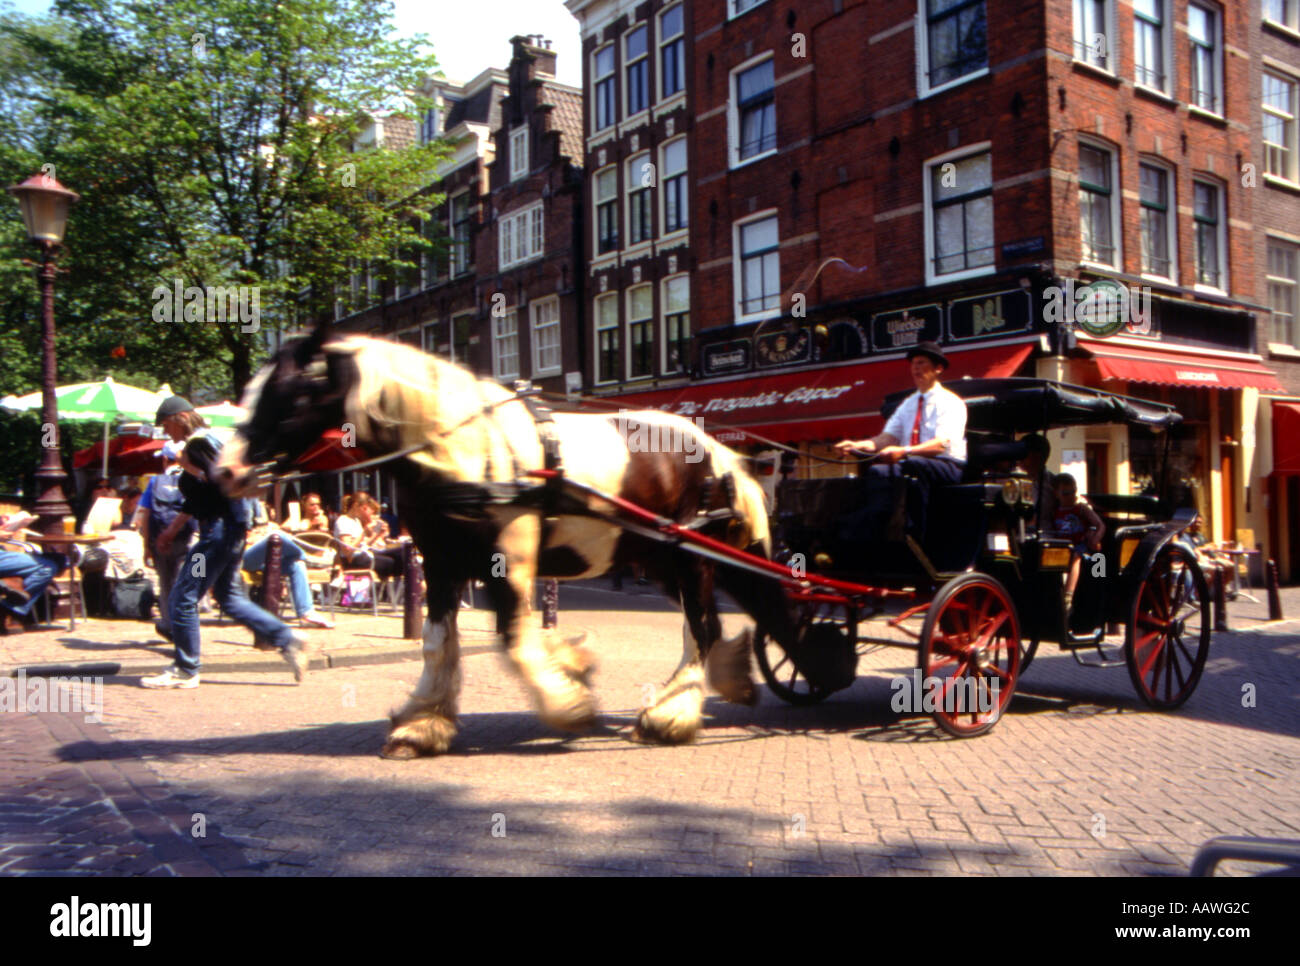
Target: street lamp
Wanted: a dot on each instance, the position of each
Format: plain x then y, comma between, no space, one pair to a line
45,204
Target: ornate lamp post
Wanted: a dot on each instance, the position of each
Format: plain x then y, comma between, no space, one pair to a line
45,204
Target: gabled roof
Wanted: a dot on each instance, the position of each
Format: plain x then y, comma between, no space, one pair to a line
566,118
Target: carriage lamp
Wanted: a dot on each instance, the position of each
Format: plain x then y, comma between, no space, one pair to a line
1027,491
1126,548
1055,557
1010,492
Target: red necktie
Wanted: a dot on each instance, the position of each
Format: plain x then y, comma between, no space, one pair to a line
916,424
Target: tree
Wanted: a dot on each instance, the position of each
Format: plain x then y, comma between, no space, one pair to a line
212,144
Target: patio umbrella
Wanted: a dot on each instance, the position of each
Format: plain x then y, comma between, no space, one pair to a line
224,414
105,401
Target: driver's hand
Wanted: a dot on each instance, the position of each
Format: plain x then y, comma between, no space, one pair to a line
892,454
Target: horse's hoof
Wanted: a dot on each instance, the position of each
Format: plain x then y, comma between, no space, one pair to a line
419,736
578,721
399,751
674,731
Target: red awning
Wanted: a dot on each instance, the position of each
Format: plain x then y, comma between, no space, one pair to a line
1286,434
1165,368
330,454
127,456
817,404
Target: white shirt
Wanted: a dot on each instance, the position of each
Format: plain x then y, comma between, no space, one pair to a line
944,417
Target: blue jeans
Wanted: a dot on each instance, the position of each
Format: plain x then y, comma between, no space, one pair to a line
38,570
290,560
213,564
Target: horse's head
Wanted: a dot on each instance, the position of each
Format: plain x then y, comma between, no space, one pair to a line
296,397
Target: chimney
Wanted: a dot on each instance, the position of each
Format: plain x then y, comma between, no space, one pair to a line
536,48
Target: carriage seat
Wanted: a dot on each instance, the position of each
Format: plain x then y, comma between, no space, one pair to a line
984,453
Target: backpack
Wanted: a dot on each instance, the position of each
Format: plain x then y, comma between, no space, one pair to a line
166,504
134,598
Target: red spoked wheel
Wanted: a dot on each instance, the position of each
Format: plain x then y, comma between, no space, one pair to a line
1168,635
969,655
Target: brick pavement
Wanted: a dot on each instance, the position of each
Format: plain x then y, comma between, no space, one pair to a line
1079,778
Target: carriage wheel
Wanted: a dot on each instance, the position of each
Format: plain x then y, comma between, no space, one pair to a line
1168,633
970,643
777,667
1027,651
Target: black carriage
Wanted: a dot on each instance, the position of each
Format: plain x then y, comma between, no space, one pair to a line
983,587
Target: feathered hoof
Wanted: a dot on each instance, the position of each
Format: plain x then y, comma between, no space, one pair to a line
575,714
671,730
728,669
575,660
418,738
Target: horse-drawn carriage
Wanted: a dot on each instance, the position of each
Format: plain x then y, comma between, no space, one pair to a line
984,586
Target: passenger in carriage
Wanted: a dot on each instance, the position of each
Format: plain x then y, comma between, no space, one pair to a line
1079,523
926,434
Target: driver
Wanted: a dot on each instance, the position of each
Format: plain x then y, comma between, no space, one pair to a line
926,434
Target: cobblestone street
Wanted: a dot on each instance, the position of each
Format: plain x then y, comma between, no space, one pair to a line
1078,778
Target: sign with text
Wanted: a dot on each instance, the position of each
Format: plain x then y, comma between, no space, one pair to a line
734,356
998,313
906,327
783,348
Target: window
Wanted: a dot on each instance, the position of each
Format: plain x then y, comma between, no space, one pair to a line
1284,12
955,40
640,331
460,326
505,345
519,236
1208,216
1097,198
754,116
460,225
1156,223
429,337
1203,31
518,153
960,224
1149,43
759,267
431,259
639,177
1283,283
1280,146
607,338
675,213
635,52
546,336
603,84
1092,33
672,52
607,210
430,127
676,302
736,7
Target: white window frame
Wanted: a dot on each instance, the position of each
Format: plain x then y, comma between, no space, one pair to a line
633,175
505,327
1221,240
1293,137
596,81
1216,59
664,366
1291,14
1294,283
738,8
647,320
684,208
738,268
1171,217
644,61
429,337
923,86
460,265
733,111
662,43
597,328
957,154
519,161
1084,50
451,338
597,202
1116,219
1166,49
539,328
520,231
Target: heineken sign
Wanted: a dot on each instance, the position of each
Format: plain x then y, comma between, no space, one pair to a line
734,356
906,327
986,315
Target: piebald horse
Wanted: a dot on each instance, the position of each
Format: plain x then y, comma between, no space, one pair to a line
448,428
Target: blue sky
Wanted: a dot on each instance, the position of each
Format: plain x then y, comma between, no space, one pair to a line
469,35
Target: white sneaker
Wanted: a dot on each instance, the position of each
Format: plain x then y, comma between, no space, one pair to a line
314,618
173,678
295,653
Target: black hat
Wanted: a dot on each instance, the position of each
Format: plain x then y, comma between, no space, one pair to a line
931,351
171,406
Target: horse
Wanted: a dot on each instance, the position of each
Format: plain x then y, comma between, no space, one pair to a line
457,444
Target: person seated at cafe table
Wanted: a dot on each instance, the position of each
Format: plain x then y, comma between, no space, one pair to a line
37,571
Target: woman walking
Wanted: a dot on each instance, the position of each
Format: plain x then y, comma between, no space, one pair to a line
214,561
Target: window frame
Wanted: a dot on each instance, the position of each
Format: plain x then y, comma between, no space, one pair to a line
498,372
735,111
597,82
1165,49
924,69
1171,218
739,258
535,336
1293,281
599,208
647,324
1215,15
1084,44
641,62
518,169
1114,207
598,327
530,217
678,184
663,44
638,199
468,319
1220,238
1293,147
733,12
665,363
460,248
932,276
1292,14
